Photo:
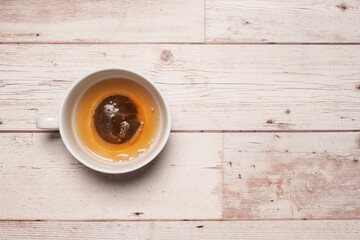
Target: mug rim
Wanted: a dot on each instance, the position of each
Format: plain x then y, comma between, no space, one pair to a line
140,164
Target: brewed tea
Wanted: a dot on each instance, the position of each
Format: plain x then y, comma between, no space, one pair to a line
117,119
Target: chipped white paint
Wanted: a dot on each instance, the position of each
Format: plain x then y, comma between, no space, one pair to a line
282,21
208,230
40,180
291,176
102,21
208,87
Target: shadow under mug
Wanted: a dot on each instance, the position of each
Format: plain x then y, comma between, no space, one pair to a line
66,125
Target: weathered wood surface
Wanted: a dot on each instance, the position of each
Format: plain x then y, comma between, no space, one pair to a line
208,230
263,21
41,180
208,87
291,175
212,86
265,176
101,21
179,21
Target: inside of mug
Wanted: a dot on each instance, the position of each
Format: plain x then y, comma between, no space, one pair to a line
74,144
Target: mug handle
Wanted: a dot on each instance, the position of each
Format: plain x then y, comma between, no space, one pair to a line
50,123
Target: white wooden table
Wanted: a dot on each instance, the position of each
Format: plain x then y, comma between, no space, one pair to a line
265,100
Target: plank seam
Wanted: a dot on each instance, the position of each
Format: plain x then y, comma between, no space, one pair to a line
212,131
222,175
189,43
179,220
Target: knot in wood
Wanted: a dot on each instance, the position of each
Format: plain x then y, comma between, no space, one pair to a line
342,6
166,56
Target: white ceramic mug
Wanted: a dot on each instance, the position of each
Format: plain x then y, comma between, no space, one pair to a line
65,121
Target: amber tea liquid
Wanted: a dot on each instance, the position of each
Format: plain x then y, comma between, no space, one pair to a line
147,114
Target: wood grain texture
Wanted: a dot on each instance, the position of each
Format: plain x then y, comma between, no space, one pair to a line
291,175
265,176
208,87
282,21
41,180
102,21
182,230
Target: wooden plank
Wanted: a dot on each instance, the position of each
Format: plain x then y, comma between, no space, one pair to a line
339,229
102,21
208,87
282,21
292,176
41,180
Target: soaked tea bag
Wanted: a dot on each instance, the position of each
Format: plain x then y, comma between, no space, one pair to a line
115,120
